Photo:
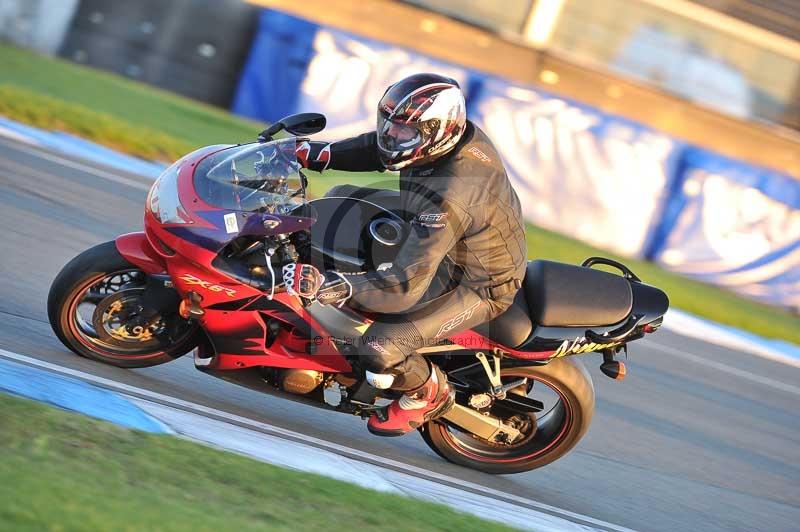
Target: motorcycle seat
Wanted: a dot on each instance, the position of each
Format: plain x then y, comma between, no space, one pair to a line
561,295
511,328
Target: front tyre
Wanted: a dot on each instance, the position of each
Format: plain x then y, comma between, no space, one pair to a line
566,389
95,308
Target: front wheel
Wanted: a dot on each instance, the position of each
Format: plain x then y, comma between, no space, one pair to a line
96,309
565,388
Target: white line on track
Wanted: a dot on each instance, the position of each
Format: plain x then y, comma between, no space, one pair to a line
725,368
18,137
37,152
22,170
310,440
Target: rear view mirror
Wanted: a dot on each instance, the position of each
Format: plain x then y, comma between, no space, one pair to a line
301,125
304,124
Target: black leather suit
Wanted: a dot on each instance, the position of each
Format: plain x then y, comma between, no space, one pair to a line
461,207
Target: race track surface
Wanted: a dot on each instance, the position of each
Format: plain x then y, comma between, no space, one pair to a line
697,438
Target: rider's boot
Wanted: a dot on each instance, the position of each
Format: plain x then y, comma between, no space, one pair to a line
433,399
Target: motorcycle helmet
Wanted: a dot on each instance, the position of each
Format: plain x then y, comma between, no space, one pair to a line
420,118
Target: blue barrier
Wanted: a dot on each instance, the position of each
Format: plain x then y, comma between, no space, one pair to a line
275,68
734,225
579,171
347,75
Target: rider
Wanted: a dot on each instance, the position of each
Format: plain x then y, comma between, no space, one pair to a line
460,204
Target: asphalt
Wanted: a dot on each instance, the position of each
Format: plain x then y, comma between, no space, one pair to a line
698,437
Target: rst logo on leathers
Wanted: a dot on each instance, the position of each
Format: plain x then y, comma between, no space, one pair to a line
436,220
457,320
191,280
479,154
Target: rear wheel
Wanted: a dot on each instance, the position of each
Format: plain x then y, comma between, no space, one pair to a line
96,309
565,388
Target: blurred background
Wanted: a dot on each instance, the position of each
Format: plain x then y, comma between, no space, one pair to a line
661,130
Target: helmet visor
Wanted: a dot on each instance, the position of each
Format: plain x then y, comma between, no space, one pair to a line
396,136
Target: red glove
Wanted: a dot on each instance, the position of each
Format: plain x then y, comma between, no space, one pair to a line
313,155
302,279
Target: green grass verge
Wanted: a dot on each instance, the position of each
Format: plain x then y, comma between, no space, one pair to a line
65,471
133,103
76,93
45,112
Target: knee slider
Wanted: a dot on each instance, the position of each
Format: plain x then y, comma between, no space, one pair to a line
381,381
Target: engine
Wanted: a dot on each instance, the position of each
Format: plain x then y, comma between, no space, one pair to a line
299,381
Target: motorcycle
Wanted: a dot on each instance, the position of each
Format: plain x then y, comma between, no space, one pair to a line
211,273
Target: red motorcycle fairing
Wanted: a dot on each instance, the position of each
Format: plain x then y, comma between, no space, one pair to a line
235,314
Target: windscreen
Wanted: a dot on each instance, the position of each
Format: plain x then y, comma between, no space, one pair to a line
263,177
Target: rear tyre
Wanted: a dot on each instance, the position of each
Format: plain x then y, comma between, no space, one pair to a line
94,307
549,435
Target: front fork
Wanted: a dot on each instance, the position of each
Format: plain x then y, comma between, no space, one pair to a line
159,297
160,294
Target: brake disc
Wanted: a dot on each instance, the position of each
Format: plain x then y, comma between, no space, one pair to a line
116,318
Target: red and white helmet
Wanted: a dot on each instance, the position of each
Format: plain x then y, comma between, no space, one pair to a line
420,118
